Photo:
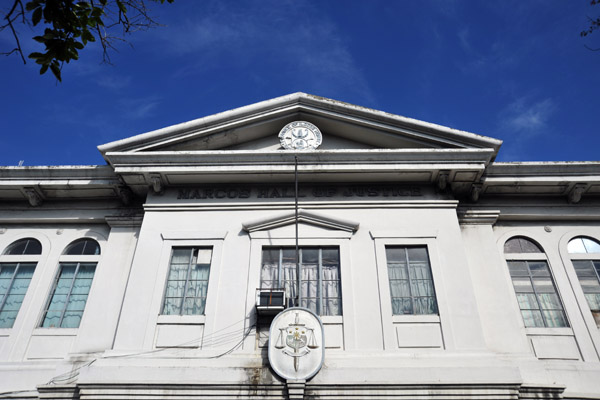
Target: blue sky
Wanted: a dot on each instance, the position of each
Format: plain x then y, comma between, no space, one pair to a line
513,70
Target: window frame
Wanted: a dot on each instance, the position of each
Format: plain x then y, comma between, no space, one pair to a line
199,239
532,257
412,296
320,279
590,257
409,238
19,259
71,259
187,279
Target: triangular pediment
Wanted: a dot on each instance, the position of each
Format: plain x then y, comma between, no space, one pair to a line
343,126
358,145
306,218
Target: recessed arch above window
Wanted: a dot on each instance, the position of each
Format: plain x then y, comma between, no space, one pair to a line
521,244
27,246
83,247
583,245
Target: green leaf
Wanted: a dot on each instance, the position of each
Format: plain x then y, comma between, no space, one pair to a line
122,7
78,45
44,69
36,55
32,5
39,39
37,16
56,71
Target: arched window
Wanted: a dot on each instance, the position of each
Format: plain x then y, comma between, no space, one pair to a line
72,285
17,265
533,283
24,246
585,255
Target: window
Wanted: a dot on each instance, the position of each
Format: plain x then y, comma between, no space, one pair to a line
187,282
15,278
319,280
585,255
72,285
536,293
411,283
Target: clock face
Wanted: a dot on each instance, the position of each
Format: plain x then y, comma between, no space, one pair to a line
300,135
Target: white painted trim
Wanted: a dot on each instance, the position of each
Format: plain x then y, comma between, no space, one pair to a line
193,235
304,216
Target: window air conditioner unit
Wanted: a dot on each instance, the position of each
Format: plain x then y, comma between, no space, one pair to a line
270,301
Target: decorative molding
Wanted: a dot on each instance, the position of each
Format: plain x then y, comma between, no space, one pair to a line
295,389
442,181
480,217
193,235
156,183
300,390
576,192
33,196
405,234
303,216
121,221
476,189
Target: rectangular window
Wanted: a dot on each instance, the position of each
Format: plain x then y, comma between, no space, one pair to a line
536,294
14,281
187,282
319,279
588,273
411,283
69,295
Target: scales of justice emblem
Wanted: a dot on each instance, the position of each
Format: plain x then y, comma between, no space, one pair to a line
296,344
296,340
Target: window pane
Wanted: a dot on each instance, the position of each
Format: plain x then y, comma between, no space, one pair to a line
411,283
83,247
14,282
538,268
193,306
70,295
537,297
532,318
527,246
518,268
591,246
522,285
7,318
395,254
71,319
27,246
549,301
52,319
512,246
555,318
187,281
527,301
576,246
320,276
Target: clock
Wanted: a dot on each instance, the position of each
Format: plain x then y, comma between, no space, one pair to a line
300,135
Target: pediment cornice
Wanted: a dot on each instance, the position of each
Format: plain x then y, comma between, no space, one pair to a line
372,127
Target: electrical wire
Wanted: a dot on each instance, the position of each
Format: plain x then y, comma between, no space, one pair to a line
212,339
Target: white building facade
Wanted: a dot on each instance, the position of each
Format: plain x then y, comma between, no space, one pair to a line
435,271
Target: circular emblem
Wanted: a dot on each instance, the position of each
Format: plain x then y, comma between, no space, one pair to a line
296,347
300,135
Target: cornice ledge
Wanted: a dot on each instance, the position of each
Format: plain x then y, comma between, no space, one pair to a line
118,221
477,217
303,216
